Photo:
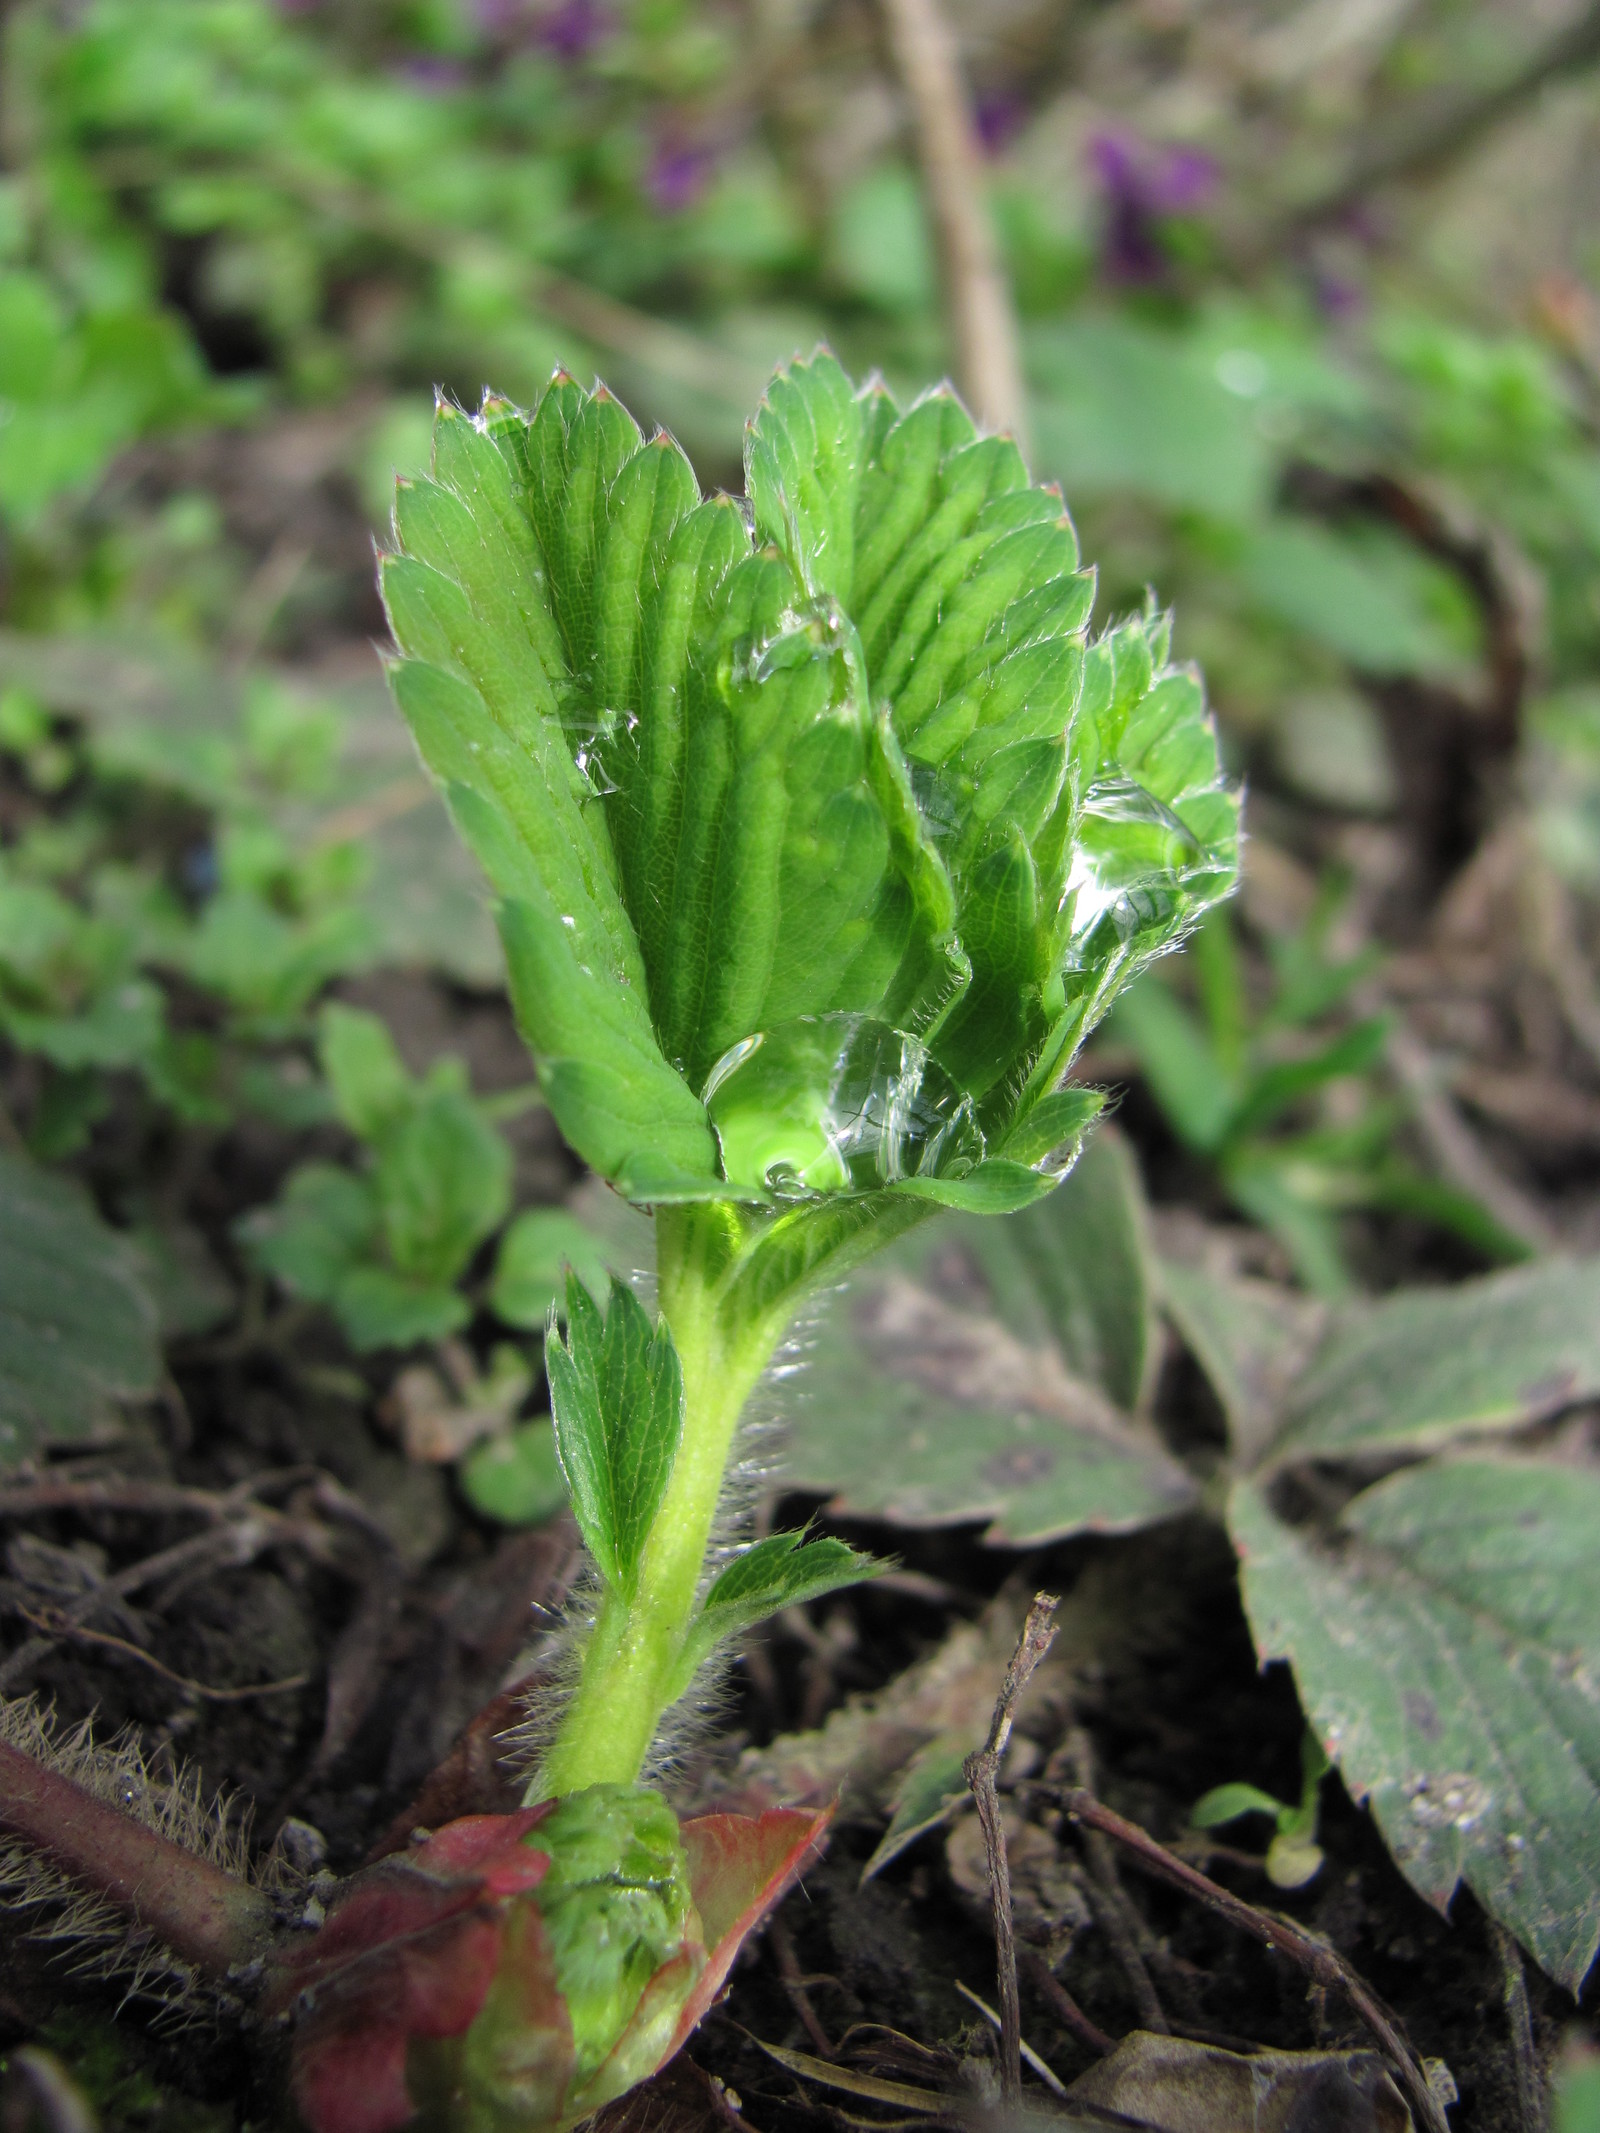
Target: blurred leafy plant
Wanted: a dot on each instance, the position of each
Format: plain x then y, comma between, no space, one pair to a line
386,1249
1233,1081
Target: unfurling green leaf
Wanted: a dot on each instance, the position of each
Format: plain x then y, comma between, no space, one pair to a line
784,1570
818,844
616,1392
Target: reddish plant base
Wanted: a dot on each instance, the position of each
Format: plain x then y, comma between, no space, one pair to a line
420,1945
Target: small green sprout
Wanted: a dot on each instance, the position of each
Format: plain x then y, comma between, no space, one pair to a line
386,1250
820,834
1294,1856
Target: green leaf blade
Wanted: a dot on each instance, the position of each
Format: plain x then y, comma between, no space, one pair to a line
77,1326
616,1395
1447,1654
783,1570
1428,1366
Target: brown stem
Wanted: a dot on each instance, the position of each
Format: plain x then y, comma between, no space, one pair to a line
1063,2006
199,1912
981,1771
1446,127
1324,1965
977,298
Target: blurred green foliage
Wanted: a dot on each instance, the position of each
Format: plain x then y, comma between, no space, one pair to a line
220,218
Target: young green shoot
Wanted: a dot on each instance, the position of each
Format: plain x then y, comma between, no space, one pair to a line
820,833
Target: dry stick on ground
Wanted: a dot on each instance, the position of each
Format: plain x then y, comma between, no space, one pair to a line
780,1941
1113,1912
244,1529
219,1548
1551,929
1324,1965
982,320
1063,2005
1532,2115
981,1771
1455,1148
56,1625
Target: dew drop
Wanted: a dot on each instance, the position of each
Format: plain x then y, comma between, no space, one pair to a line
837,1103
1130,863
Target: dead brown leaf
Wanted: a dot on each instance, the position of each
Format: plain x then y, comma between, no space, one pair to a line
1184,2087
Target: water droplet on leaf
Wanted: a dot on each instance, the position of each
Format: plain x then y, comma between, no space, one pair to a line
1128,870
837,1103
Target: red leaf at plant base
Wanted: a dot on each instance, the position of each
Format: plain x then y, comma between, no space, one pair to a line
740,1868
434,1978
410,1950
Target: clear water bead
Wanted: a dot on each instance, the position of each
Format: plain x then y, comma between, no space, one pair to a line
837,1103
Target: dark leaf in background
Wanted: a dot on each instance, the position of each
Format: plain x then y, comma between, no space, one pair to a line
77,1324
1446,1643
970,1373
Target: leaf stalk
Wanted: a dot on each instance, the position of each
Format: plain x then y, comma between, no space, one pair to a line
634,1659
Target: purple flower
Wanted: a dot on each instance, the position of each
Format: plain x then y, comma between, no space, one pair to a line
572,28
433,75
1145,186
997,117
677,174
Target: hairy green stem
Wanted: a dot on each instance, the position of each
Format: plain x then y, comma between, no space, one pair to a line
632,1662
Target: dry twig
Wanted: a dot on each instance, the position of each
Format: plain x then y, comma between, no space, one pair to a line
983,323
1324,1965
1551,928
1532,2114
1063,2006
781,1943
1447,126
54,1625
1046,2074
1113,1912
219,1548
981,1770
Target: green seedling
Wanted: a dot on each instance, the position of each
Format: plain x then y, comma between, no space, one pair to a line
820,834
1294,1856
386,1249
1232,1082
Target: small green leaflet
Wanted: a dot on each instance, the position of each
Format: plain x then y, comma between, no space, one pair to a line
784,1570
77,1326
371,1088
616,1393
1446,1643
517,1478
932,1783
443,1183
